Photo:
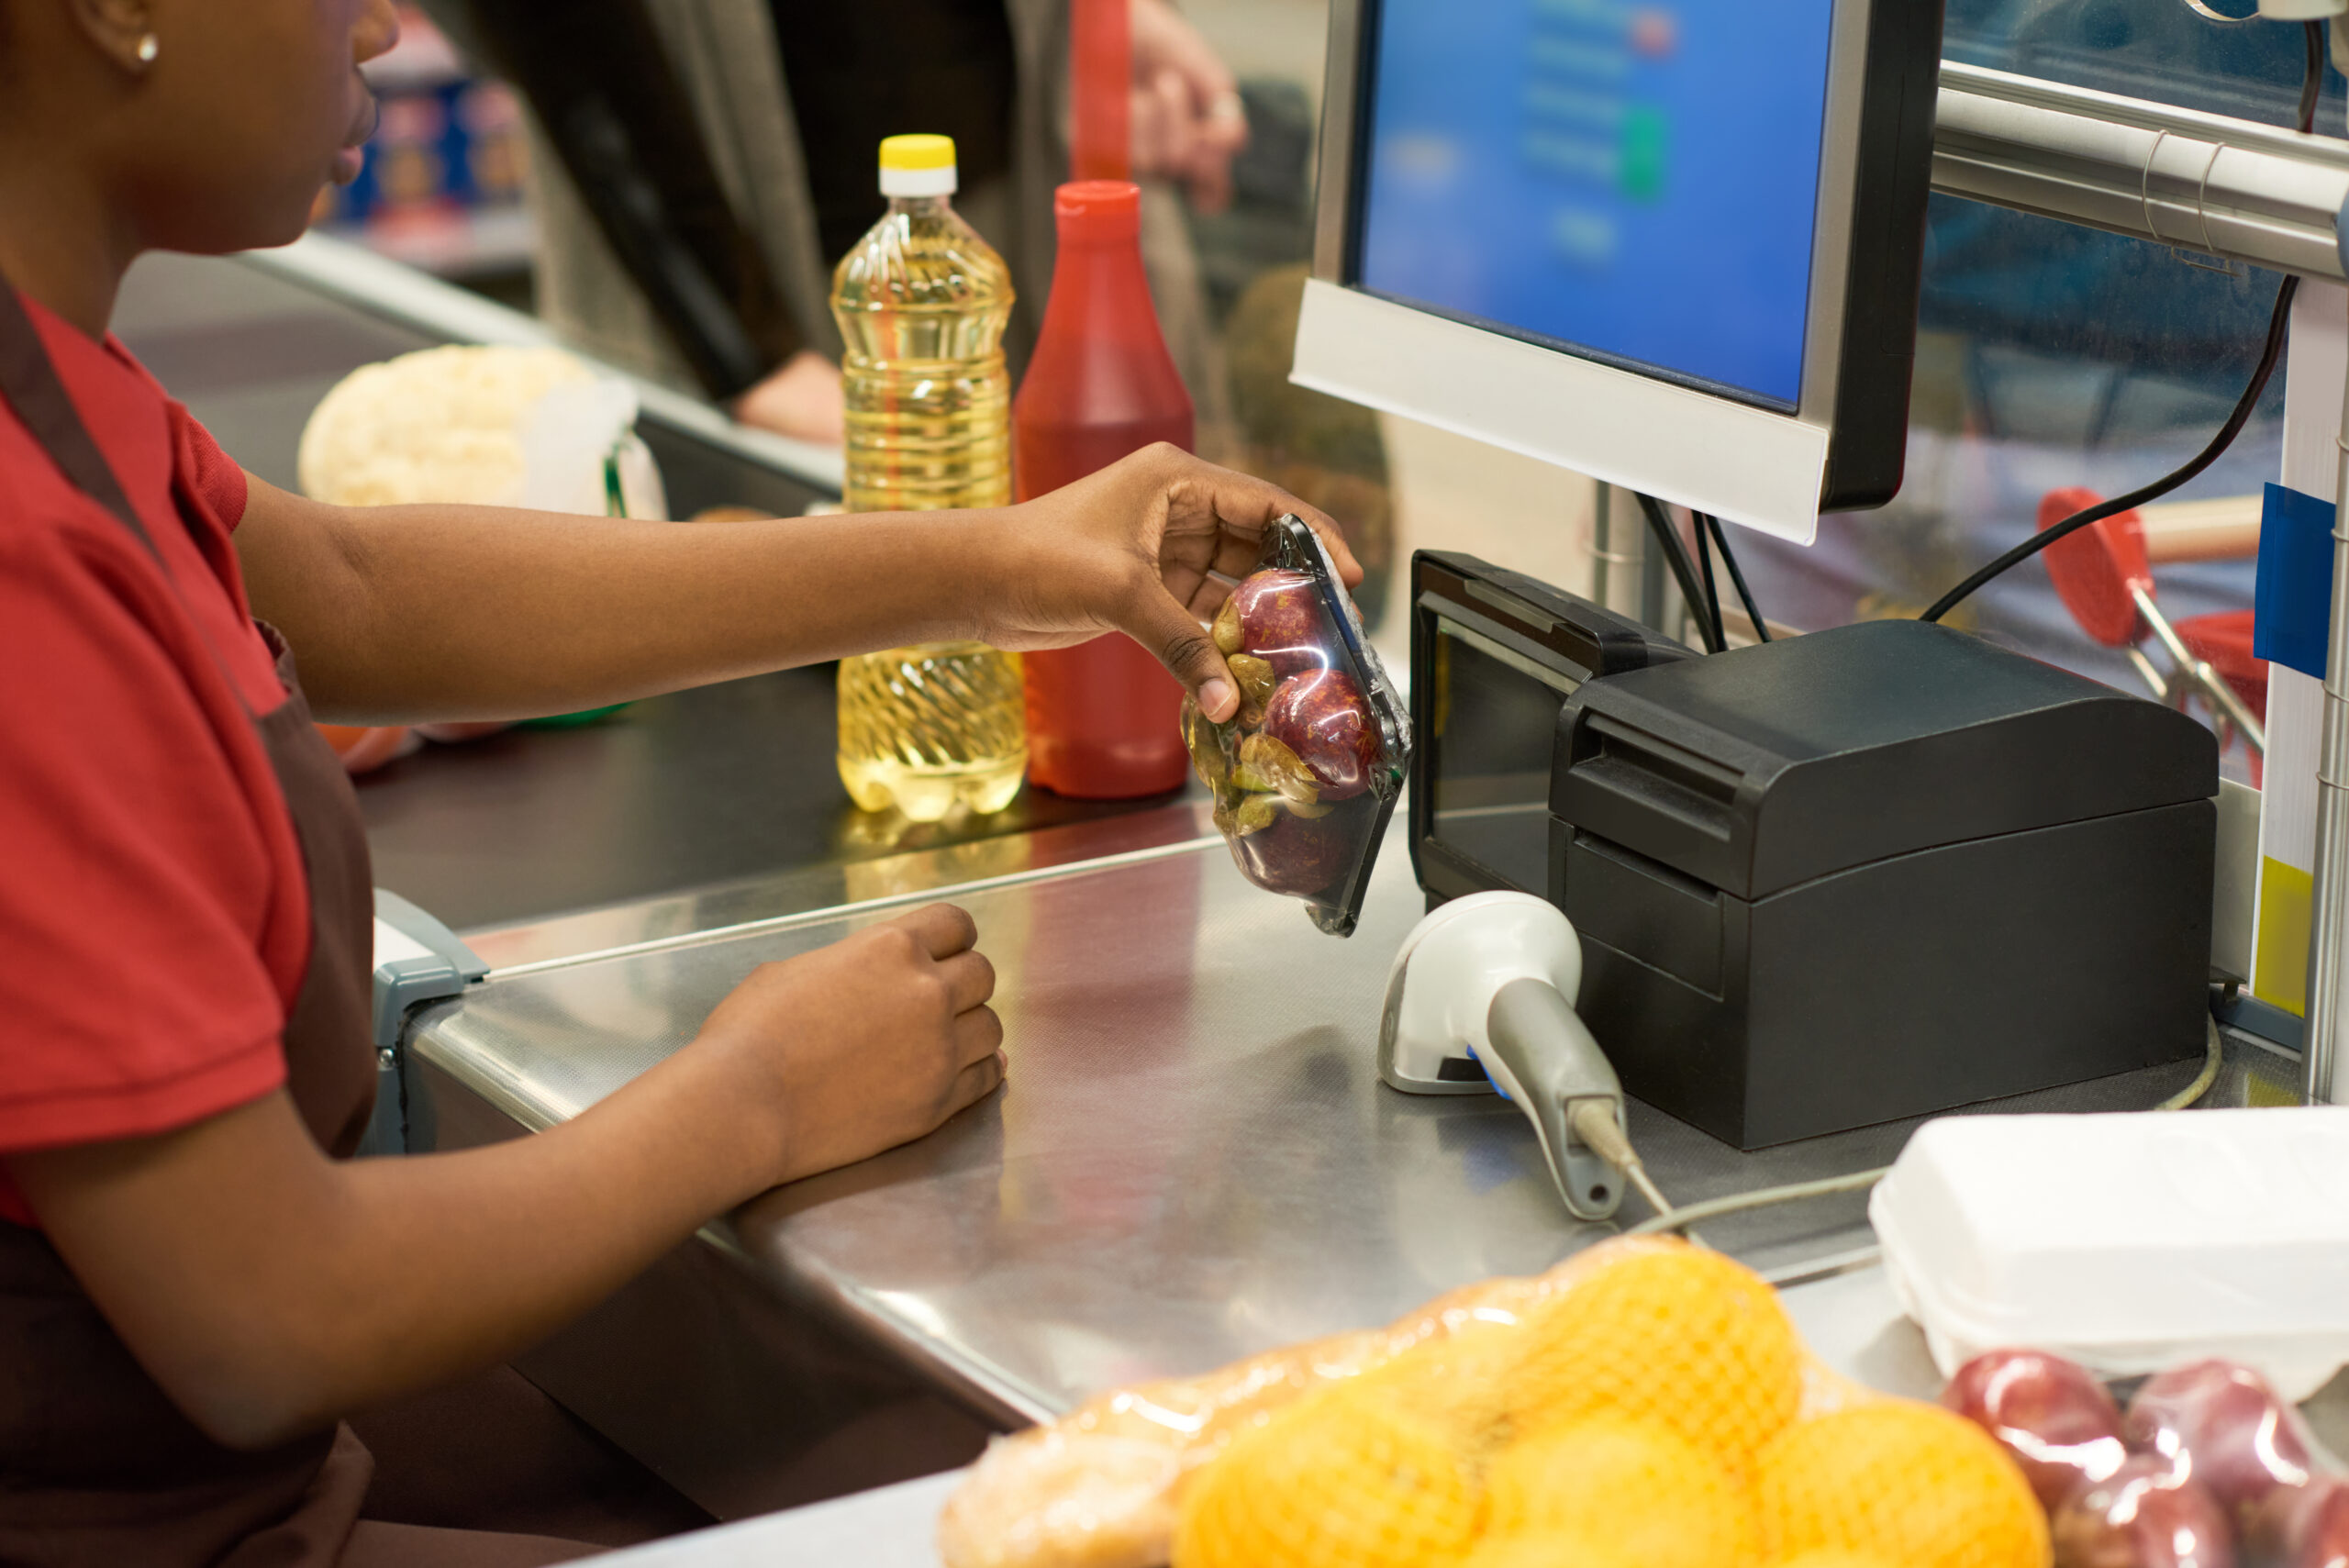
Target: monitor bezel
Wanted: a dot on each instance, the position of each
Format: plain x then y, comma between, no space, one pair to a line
1849,427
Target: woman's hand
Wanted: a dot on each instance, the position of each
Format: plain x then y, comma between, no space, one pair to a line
1188,123
1148,546
856,1047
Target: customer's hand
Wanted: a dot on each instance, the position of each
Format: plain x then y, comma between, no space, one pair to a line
863,1045
1148,546
802,400
1187,120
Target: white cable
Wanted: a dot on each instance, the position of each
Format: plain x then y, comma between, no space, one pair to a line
1768,1197
2214,1056
1671,1219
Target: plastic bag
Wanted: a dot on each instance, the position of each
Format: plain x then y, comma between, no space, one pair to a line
1306,776
2210,1466
581,454
488,425
1645,1404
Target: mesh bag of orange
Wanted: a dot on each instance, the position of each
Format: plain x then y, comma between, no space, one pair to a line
1646,1405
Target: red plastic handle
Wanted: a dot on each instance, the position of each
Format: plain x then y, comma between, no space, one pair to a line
2097,569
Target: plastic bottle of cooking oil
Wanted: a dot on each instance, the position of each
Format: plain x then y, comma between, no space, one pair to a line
921,303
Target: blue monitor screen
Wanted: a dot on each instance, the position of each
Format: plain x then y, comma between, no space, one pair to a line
1637,180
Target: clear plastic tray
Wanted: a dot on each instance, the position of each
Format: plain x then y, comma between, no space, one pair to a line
1306,774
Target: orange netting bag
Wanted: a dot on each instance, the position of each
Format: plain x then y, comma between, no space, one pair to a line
1646,1404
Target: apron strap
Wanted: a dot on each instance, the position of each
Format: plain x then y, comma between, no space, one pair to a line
29,381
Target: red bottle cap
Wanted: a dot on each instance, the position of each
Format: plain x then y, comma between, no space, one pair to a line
1098,210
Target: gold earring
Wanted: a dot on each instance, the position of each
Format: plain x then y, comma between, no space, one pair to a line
150,46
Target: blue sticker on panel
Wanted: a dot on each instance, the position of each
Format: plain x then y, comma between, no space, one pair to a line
2295,596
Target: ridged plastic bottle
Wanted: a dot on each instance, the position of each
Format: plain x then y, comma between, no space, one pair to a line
921,303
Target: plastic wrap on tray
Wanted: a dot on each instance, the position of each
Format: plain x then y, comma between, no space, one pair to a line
1646,1404
1306,773
2208,1467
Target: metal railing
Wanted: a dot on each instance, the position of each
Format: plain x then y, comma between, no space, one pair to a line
2223,187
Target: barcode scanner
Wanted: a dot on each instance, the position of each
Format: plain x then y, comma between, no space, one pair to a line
1481,1000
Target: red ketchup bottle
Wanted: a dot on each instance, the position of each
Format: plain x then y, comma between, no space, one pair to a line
1104,719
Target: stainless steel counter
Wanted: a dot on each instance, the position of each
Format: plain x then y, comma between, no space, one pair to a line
1193,1160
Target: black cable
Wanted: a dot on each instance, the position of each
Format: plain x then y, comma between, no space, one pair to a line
1684,571
1705,569
2312,79
1736,577
2277,325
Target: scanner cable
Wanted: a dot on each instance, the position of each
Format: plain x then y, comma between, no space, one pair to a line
1670,1218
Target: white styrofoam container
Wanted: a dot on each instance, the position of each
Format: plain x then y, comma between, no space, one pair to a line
2128,1242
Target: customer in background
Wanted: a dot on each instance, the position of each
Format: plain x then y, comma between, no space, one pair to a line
702,163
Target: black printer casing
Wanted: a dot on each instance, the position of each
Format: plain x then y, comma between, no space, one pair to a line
1878,871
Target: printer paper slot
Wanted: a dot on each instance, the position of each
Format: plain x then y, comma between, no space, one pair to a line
1662,777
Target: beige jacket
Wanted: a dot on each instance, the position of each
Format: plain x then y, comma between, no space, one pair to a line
728,62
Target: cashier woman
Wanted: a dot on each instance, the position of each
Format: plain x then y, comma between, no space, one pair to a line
193,1288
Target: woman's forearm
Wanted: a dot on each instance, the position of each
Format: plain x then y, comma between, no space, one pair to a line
464,612
486,1252
452,612
270,1290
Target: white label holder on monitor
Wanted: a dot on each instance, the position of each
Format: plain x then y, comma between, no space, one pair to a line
1742,463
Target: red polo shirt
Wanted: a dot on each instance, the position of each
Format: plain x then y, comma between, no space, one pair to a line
154,915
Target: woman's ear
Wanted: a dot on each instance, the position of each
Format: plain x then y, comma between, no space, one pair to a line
124,31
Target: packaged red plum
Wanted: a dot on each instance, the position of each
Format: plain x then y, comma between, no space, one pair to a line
1306,773
2207,1467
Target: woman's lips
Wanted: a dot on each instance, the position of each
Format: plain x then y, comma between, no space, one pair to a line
352,155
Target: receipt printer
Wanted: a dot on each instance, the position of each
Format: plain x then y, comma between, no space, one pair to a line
1876,872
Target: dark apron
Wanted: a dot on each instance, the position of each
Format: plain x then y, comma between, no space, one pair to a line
97,1466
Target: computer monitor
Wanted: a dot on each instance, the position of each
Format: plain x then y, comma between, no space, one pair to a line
1673,244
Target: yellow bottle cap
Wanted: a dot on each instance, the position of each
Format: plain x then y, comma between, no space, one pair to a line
918,166
918,153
